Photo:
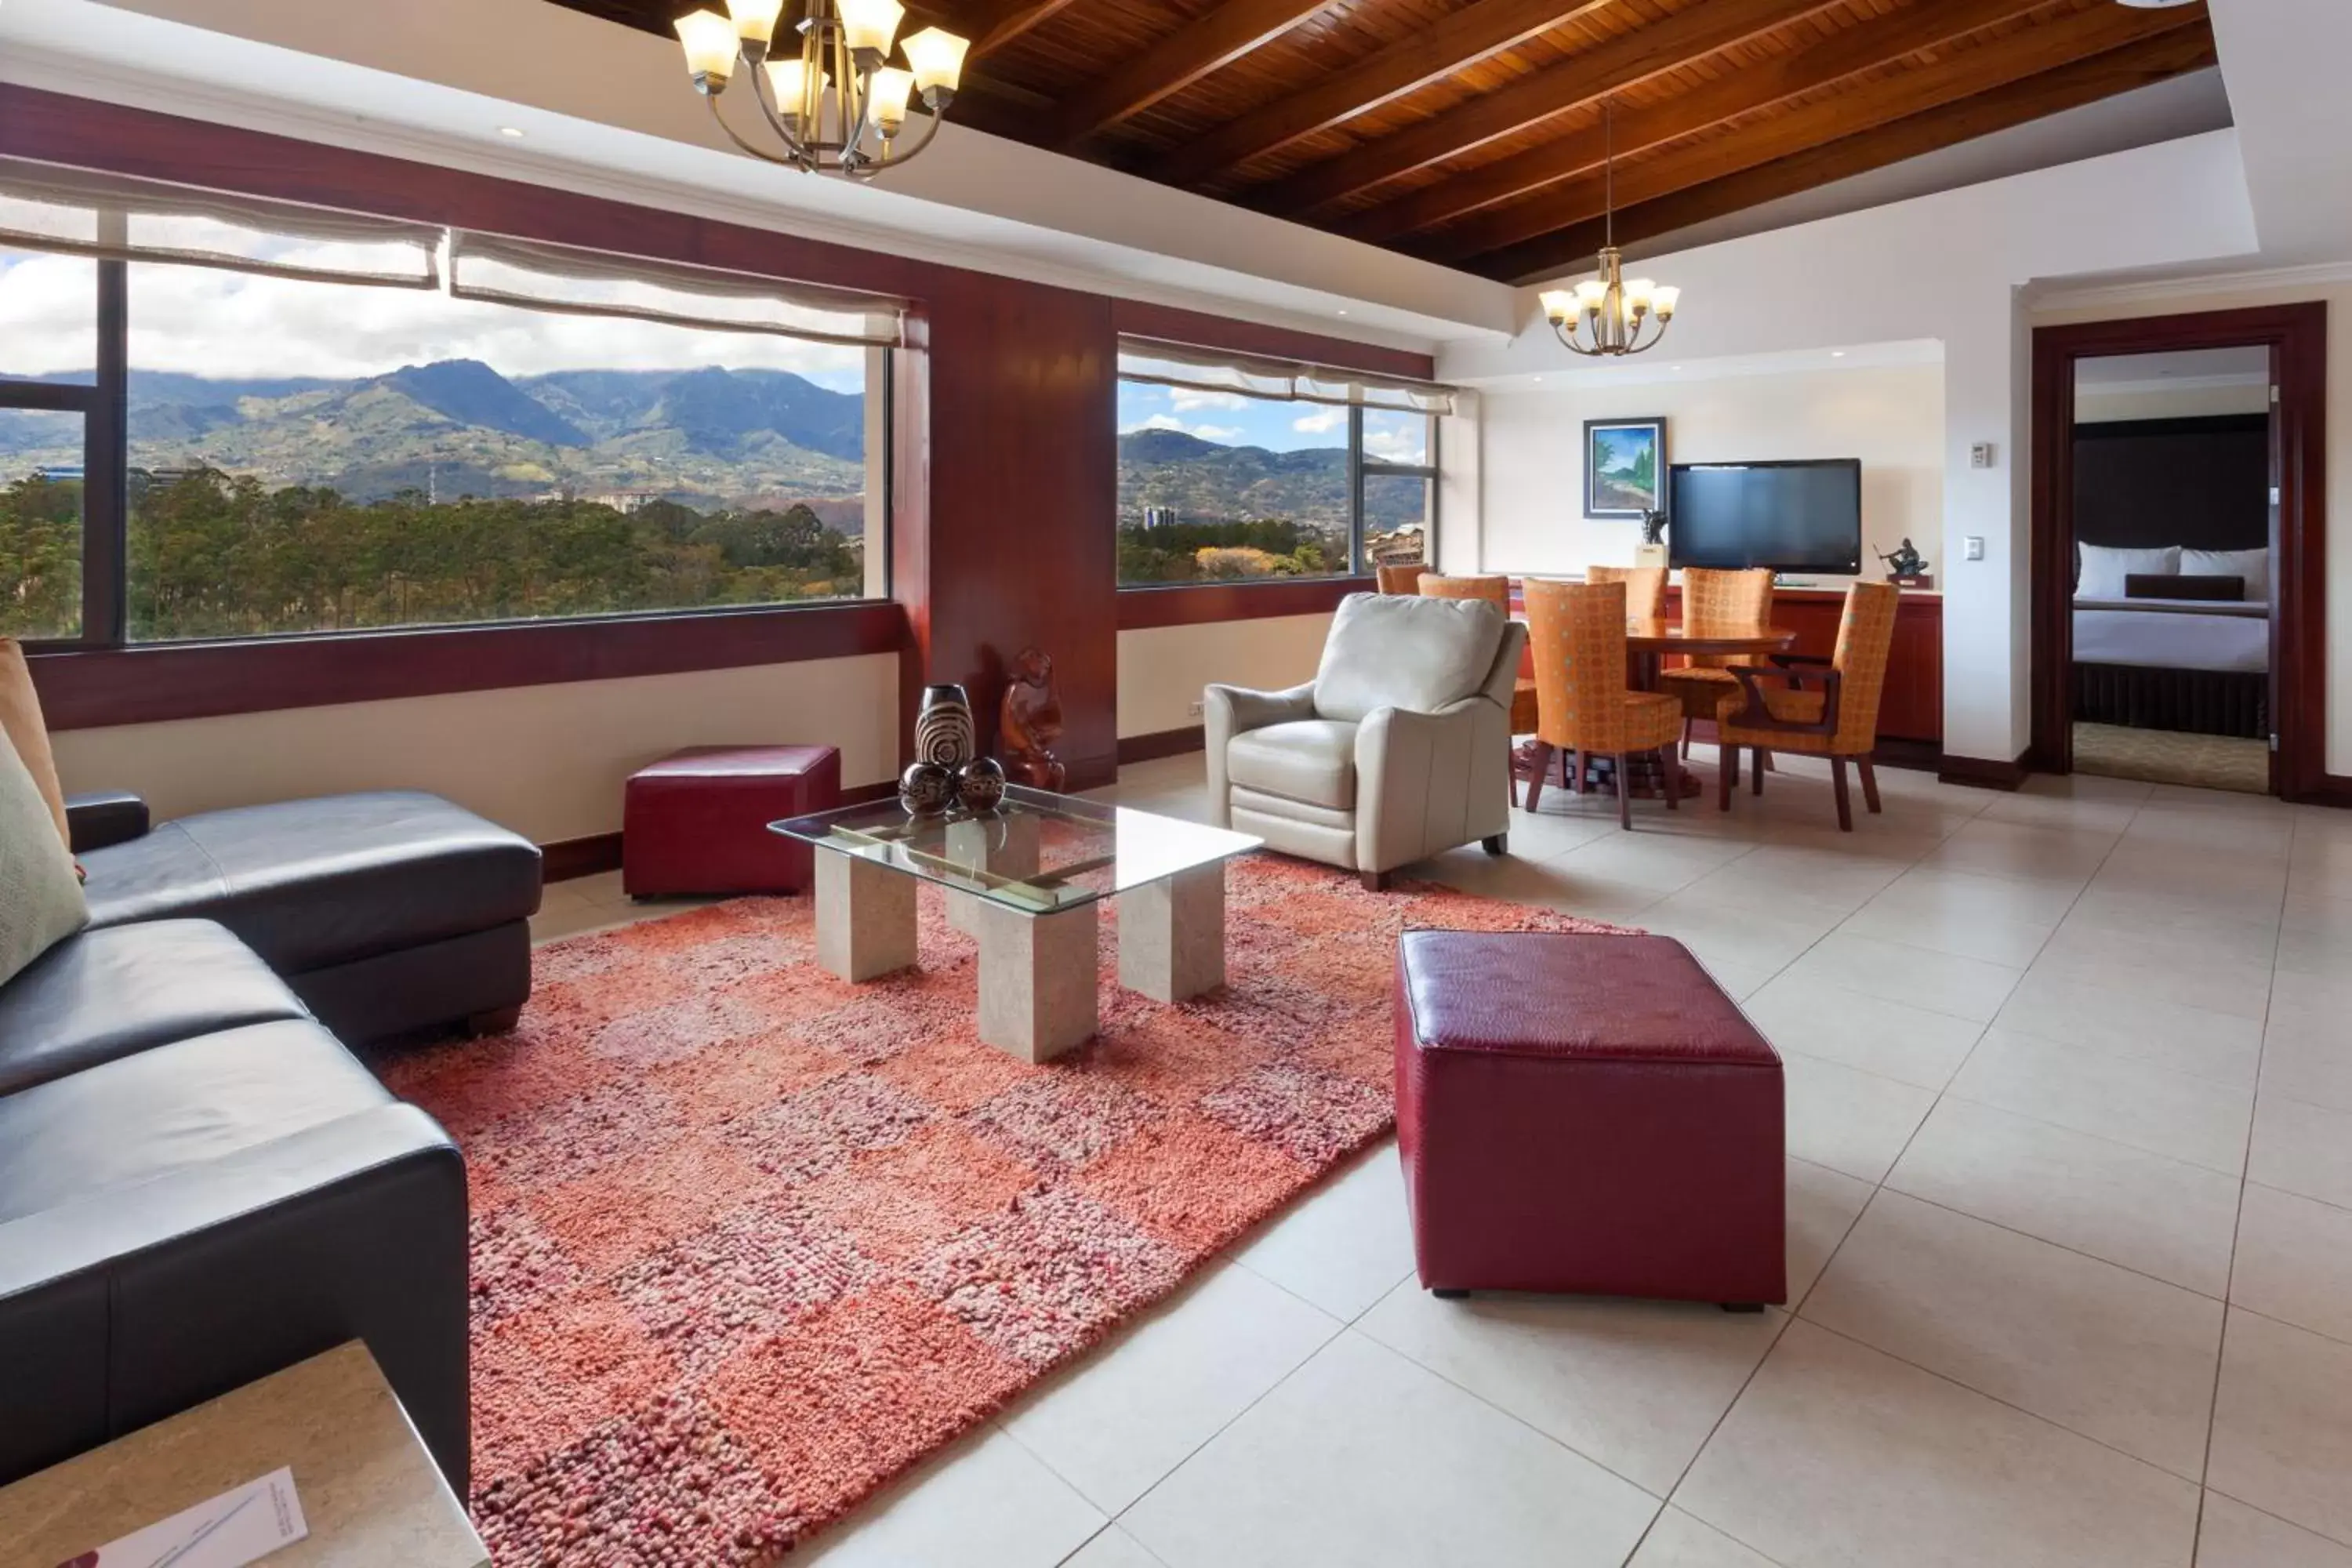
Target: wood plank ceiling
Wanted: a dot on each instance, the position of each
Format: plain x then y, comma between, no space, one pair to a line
1473,133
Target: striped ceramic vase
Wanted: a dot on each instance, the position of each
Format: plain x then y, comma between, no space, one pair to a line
943,727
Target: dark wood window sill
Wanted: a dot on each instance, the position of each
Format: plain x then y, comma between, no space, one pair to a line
1202,603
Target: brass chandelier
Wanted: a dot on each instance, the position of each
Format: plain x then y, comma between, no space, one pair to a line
1607,315
835,103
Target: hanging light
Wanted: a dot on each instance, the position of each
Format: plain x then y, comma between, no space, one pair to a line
835,104
1609,314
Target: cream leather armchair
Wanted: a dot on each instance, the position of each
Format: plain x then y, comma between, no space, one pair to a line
1397,749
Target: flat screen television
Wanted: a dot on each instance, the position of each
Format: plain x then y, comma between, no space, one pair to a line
1789,516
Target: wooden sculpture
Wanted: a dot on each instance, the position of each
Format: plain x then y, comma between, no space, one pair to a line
1030,722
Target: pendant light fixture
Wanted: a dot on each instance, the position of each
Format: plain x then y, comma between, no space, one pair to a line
1608,315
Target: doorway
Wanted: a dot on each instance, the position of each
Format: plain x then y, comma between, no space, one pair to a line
2177,579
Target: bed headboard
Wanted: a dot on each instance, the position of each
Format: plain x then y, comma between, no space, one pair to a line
2202,484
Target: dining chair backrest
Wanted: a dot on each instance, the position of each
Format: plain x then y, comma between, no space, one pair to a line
1402,579
1578,630
1646,588
1865,642
1494,590
1717,603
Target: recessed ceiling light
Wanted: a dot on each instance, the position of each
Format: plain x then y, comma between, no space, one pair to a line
1343,313
514,130
1673,367
2154,5
1534,378
1837,354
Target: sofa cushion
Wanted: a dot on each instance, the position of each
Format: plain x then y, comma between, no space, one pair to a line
162,1112
108,994
312,883
41,900
1313,760
1392,651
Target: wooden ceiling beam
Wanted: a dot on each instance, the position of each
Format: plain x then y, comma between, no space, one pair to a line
1921,25
1463,38
993,26
1688,35
2069,86
1962,74
1209,42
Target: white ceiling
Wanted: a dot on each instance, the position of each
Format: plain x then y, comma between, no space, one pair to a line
2284,63
2192,367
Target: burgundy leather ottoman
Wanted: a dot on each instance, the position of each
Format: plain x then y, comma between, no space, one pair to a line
1586,1114
696,821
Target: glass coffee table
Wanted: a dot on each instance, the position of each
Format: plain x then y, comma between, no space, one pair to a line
1025,879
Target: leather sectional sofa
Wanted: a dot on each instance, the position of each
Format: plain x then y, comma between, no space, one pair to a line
199,1183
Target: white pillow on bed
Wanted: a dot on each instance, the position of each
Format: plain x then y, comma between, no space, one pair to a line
2252,567
2104,568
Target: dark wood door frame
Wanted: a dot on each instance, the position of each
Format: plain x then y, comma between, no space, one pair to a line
2296,336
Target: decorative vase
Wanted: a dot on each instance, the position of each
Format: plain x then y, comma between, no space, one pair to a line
925,789
944,732
980,784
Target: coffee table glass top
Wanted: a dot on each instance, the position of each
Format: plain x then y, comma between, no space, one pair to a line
1037,851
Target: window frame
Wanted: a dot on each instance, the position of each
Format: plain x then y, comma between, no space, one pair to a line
104,405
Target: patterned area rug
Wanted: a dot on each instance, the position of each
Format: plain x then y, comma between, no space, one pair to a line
2172,757
749,1240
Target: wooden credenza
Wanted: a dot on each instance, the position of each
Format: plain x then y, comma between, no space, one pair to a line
1912,708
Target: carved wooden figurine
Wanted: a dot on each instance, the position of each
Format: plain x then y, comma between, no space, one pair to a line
1030,722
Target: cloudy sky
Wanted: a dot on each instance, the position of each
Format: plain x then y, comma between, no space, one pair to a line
1230,419
209,322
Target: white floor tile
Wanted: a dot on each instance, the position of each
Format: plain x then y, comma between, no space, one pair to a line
1823,1206
2304,1149
1917,977
1345,1246
2001,921
986,1503
1848,1120
1803,1011
2295,1261
2172,973
2168,1114
1130,1413
2123,1022
1680,1540
2282,1424
2235,1536
1363,1459
2114,1355
1839,1454
1634,1385
2308,1058
2161,1216
1113,1548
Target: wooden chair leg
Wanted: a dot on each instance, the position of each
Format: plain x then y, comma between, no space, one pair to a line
1845,803
1571,769
1725,777
1673,767
1757,764
1535,775
1869,783
1624,794
1689,724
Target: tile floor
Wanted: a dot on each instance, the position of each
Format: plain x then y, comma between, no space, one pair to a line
2070,1084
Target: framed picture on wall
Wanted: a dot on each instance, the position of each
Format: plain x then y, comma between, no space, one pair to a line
1624,467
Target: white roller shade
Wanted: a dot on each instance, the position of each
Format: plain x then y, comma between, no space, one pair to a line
597,283
1207,370
46,206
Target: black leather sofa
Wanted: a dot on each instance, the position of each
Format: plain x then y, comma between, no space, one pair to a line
199,1183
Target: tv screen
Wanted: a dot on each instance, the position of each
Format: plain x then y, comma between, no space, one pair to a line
1790,517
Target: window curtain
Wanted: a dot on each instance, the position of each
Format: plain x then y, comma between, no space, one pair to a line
113,217
1204,369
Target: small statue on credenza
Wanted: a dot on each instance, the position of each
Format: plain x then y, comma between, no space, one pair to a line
1905,567
1653,527
1029,721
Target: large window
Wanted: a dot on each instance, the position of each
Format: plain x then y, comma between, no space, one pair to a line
1244,470
292,453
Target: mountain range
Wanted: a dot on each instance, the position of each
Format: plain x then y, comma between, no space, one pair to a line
1202,481
706,437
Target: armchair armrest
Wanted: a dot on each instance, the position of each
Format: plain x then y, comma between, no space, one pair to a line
1427,781
1230,711
1758,716
103,817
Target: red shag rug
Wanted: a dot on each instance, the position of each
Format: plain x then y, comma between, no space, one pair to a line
749,1240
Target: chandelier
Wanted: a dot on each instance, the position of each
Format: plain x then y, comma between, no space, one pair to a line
835,103
1607,315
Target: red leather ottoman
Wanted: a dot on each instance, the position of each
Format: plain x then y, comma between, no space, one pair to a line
696,821
1587,1114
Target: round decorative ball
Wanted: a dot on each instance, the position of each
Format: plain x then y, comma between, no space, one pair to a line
980,784
925,789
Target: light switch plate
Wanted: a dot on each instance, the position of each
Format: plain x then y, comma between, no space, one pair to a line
1981,455
1972,547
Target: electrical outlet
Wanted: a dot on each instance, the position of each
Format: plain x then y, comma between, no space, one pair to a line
1972,547
1193,711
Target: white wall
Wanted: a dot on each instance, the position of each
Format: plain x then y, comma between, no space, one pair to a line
1892,417
2094,404
1947,267
1161,670
2334,288
545,761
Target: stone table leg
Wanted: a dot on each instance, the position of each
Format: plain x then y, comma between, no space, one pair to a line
1005,845
865,917
1036,979
1171,935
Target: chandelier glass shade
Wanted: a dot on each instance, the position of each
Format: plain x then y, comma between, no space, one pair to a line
1610,315
835,102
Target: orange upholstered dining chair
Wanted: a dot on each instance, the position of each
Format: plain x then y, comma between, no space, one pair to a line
1496,591
1715,603
1584,705
1404,579
1829,707
1646,588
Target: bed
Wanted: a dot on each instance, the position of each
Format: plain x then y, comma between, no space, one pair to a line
2172,500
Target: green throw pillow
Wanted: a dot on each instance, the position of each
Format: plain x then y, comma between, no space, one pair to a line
41,901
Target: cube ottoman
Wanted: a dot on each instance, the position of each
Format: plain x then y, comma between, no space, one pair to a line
1587,1114
696,821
